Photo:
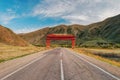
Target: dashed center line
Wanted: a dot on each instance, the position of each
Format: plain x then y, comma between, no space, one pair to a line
61,67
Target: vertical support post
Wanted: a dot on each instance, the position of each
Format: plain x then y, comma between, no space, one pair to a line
48,43
73,43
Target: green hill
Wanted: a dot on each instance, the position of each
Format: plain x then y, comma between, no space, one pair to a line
101,34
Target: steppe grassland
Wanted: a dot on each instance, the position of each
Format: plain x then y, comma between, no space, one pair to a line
111,56
8,52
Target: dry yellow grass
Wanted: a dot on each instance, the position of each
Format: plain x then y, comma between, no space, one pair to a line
115,51
86,52
8,52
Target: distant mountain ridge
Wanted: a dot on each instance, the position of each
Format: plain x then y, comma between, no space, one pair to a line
9,37
38,37
102,33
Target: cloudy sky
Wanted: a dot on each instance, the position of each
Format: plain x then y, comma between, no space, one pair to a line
28,15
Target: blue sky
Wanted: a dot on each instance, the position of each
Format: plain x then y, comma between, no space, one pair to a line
28,15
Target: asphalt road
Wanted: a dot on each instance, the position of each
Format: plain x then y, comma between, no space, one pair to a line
60,64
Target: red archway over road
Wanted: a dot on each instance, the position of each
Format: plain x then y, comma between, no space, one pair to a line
60,37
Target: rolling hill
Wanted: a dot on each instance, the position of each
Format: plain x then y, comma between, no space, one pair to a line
38,37
108,29
9,37
104,34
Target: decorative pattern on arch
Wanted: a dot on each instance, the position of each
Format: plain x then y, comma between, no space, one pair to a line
60,37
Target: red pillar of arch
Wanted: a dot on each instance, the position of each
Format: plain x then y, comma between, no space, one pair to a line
59,37
48,43
73,43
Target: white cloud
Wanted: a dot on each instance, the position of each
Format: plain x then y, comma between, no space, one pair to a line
9,10
26,30
5,18
112,10
75,11
76,17
108,13
53,8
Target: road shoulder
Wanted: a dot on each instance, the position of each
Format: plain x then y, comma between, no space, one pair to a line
106,66
11,65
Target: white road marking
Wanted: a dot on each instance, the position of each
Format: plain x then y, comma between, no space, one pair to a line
22,68
61,68
115,77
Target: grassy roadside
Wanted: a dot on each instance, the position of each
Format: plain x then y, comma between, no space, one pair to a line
8,52
91,52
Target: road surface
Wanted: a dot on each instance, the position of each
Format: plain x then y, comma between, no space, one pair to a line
60,64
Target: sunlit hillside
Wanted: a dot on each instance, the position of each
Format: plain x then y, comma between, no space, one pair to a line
7,36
